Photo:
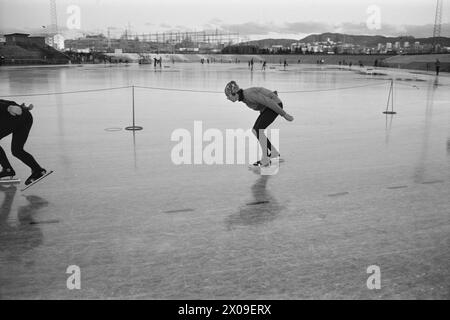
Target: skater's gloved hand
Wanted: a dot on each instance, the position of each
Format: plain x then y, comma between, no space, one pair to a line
29,107
288,117
15,110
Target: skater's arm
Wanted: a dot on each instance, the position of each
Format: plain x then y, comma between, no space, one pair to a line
272,104
269,103
13,107
270,100
4,104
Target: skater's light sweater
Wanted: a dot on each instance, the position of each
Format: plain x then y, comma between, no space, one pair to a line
258,98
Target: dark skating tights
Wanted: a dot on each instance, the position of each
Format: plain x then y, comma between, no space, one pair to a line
264,120
20,128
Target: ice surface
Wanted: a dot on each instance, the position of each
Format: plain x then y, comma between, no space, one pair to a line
358,188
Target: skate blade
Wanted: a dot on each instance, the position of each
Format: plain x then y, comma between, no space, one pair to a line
265,170
11,180
278,160
270,170
36,181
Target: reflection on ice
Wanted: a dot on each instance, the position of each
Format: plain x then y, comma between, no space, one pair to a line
263,208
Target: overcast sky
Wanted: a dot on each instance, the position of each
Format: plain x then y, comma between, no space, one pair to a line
254,19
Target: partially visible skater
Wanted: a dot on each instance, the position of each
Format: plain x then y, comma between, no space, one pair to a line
269,105
17,120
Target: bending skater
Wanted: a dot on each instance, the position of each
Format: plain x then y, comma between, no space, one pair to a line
17,120
269,106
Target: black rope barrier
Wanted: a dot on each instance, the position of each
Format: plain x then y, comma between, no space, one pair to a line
63,92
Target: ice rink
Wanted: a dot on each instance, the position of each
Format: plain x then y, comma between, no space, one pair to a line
357,188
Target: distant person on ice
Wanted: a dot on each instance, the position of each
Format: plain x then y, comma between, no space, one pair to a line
17,120
269,106
438,66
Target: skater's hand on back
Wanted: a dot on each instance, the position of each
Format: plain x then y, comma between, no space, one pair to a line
15,110
29,107
288,117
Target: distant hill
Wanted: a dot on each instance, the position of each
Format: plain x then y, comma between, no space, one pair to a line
370,41
362,40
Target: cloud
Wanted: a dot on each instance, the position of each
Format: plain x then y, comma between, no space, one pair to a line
305,27
213,24
418,31
249,28
427,30
215,21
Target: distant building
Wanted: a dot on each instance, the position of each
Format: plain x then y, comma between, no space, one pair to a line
58,42
276,48
34,49
40,40
26,40
100,43
298,47
94,42
16,38
188,49
37,40
295,46
406,44
388,46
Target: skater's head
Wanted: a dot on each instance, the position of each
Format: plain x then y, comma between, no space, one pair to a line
231,91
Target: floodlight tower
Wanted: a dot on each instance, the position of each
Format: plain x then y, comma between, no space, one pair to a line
53,22
437,24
